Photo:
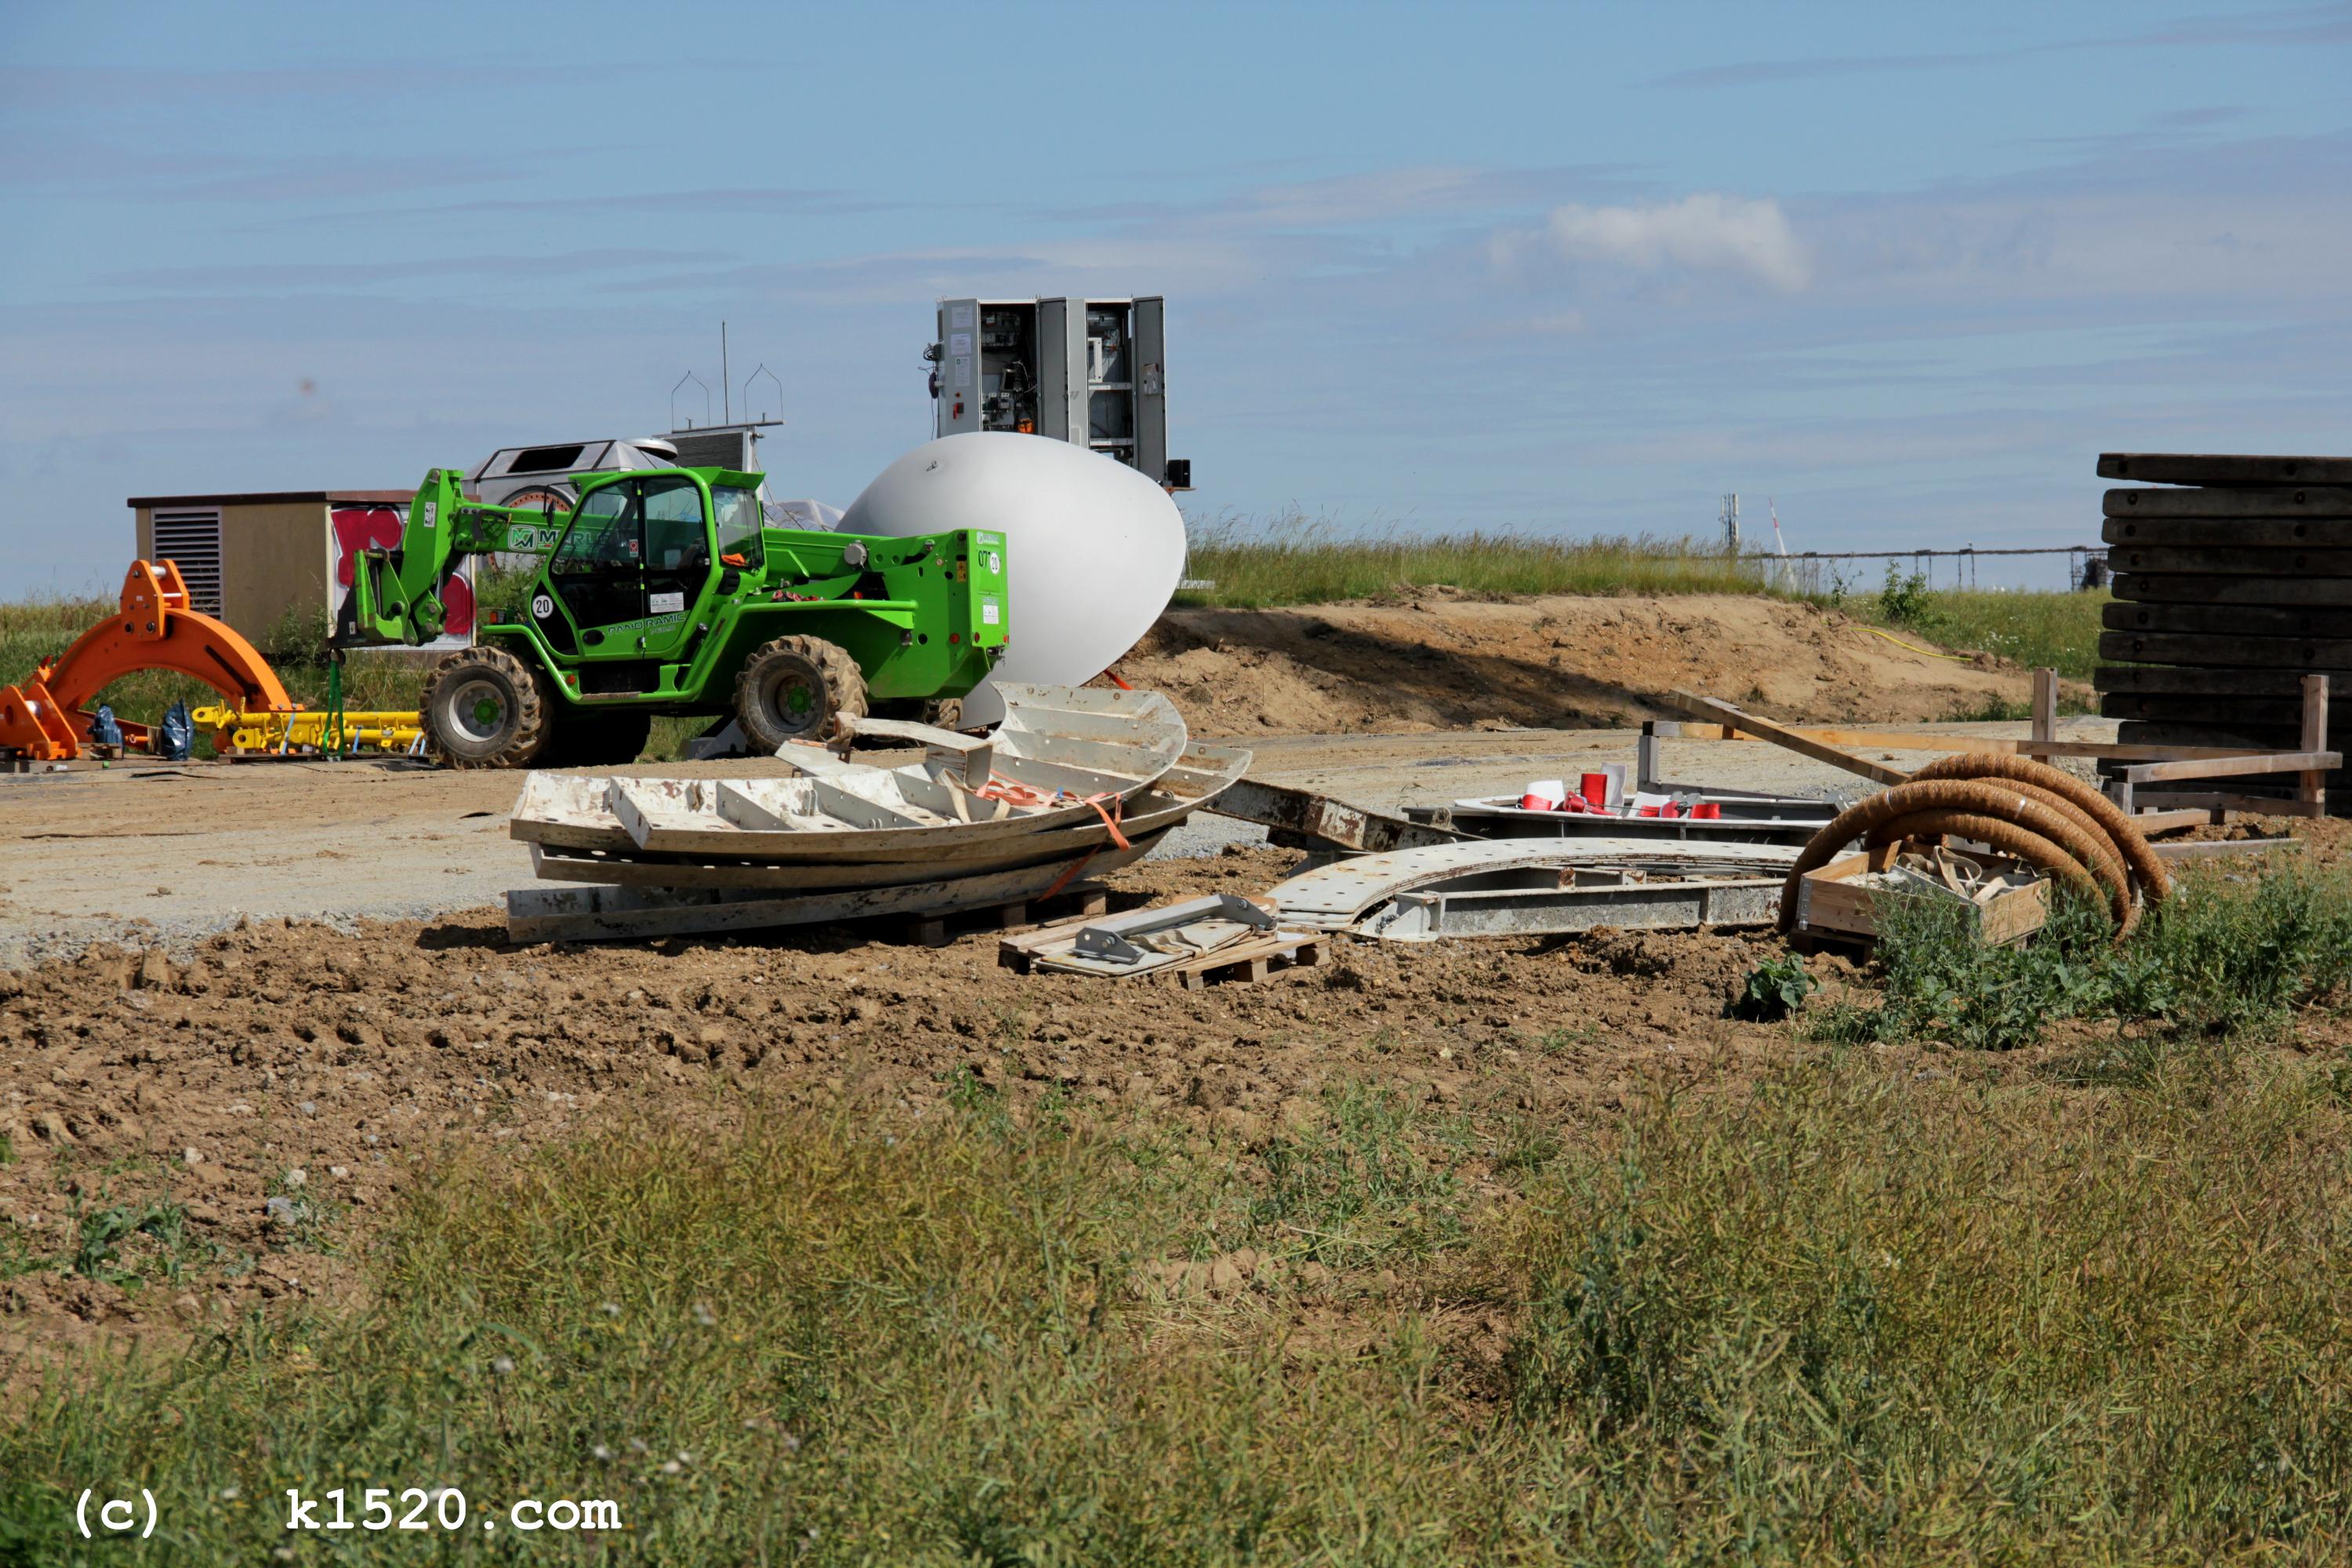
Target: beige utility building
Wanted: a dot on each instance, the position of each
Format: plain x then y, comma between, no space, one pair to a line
253,559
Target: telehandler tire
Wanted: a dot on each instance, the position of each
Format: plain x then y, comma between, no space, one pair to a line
793,688
586,738
484,708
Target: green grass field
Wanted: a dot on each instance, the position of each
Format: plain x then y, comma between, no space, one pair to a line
1860,1309
1298,561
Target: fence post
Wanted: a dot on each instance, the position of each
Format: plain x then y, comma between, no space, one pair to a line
2045,704
2313,790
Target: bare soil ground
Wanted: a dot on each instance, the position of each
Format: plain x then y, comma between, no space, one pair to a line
1440,661
259,1095
127,1078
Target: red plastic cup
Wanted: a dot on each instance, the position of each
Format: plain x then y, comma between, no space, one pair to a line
1594,788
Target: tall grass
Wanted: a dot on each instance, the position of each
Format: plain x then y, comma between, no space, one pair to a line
1301,560
32,630
1867,1317
1842,1314
2058,630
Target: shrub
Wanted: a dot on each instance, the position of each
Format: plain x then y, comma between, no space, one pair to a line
1773,990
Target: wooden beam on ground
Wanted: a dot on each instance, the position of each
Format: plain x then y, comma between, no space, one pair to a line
2222,849
1891,741
2152,822
2220,800
2245,764
1790,740
1899,741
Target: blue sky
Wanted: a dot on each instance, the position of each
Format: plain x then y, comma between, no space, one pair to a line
1558,268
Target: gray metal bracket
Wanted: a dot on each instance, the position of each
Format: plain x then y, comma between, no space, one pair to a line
1108,938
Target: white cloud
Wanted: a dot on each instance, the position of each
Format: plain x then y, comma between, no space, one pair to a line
1703,232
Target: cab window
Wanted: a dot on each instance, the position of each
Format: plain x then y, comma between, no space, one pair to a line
606,532
739,521
675,538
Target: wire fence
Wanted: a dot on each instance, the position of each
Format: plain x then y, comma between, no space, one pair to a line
1819,570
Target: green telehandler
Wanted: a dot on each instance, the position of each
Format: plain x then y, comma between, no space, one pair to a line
664,592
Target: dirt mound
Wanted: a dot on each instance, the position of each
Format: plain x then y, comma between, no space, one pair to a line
1440,661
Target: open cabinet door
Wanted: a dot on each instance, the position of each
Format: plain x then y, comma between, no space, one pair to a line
1151,388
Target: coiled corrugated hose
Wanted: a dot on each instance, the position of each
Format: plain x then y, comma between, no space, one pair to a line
2042,815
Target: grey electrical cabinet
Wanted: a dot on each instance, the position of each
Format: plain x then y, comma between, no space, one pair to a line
1089,372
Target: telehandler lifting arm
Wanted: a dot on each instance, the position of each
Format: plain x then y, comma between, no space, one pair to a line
395,595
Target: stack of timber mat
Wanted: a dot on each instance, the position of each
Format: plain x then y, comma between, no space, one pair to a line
2232,581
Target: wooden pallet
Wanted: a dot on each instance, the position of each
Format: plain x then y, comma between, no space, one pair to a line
1072,906
1246,962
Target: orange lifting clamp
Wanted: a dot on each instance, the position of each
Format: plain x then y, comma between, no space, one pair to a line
44,718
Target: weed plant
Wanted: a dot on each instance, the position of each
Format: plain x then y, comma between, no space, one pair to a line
2227,957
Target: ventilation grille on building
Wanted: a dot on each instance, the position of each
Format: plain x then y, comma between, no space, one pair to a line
191,540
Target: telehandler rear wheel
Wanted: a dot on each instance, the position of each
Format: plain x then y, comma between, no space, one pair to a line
483,708
793,688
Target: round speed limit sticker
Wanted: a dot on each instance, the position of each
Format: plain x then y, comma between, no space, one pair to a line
542,605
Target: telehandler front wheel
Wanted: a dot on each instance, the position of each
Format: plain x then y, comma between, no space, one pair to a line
793,688
483,708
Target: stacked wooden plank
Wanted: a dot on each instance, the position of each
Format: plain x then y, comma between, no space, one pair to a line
2232,581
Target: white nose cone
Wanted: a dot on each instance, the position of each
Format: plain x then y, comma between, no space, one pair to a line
1094,548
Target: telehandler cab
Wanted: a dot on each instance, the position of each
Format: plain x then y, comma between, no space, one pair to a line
663,592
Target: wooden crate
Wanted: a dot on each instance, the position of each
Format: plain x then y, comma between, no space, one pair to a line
1832,902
